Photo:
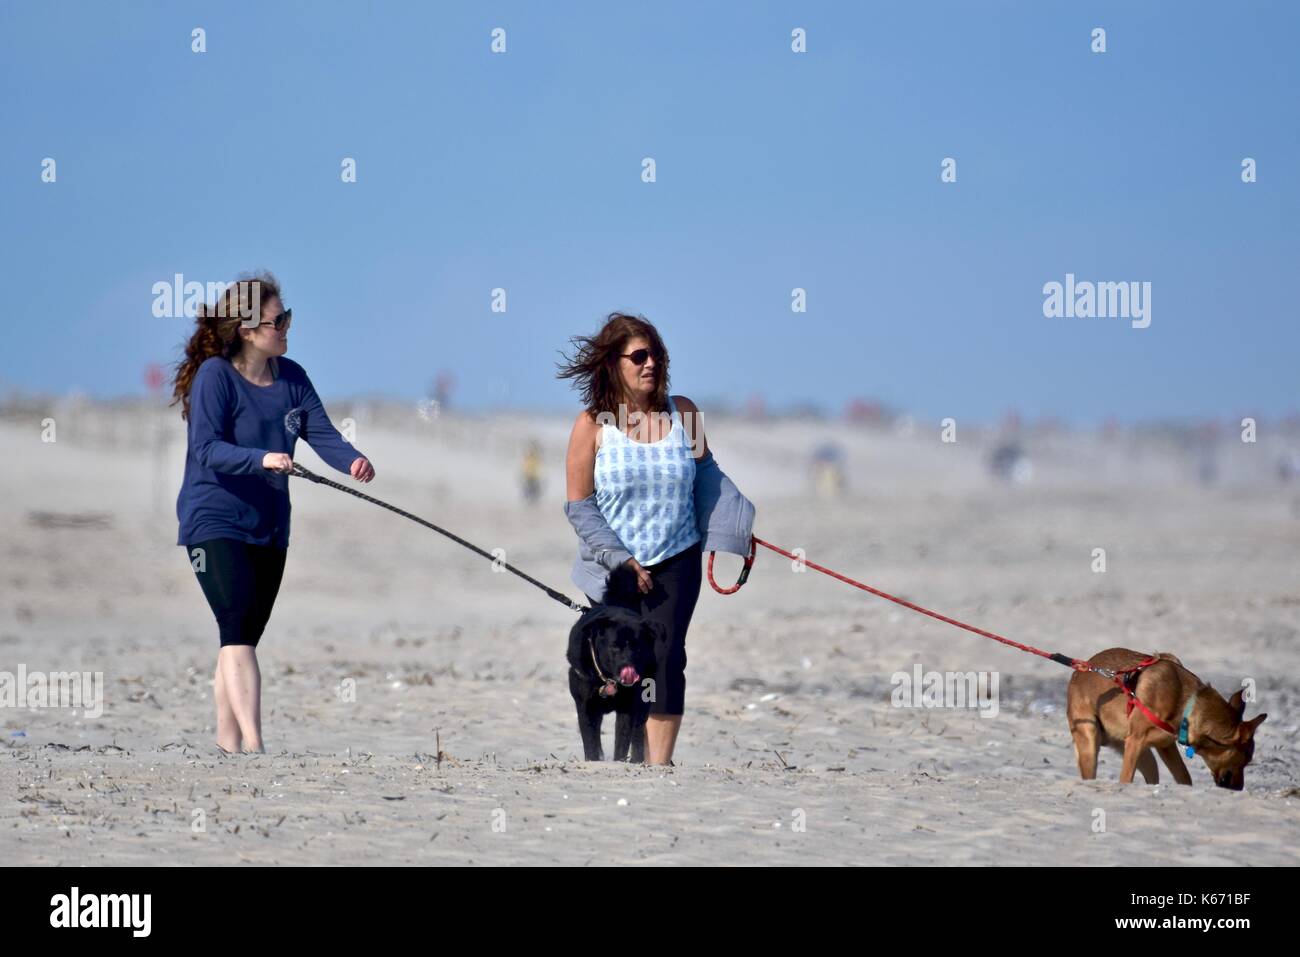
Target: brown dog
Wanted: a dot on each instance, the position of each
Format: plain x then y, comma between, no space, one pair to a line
1098,713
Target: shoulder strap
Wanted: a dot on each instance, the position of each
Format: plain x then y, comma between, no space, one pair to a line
606,429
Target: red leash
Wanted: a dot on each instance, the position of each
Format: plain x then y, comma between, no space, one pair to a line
1117,676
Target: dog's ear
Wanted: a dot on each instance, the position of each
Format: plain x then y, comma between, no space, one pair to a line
575,643
1246,730
588,626
1238,704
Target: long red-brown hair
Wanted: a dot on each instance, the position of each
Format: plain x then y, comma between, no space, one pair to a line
216,330
594,364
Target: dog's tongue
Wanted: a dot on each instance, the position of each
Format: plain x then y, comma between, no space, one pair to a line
611,689
628,675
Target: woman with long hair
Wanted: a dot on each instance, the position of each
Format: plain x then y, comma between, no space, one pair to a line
646,499
246,406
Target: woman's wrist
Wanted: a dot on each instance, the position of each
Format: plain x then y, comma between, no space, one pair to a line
614,557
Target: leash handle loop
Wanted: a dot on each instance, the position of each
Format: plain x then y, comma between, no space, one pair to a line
744,571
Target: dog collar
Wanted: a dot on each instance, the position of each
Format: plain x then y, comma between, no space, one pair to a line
608,688
1182,728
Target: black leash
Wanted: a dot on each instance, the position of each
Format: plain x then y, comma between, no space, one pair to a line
320,480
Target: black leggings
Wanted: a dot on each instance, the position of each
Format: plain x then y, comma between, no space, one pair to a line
671,602
240,582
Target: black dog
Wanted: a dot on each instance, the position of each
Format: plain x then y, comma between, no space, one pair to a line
611,654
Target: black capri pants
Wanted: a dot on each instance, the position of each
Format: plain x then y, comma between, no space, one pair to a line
240,581
671,602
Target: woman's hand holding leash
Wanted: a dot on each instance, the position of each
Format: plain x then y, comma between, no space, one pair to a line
361,468
277,462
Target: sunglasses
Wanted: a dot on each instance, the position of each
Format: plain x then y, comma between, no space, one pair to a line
280,321
639,356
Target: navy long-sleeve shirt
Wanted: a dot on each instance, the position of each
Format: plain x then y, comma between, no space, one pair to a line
226,493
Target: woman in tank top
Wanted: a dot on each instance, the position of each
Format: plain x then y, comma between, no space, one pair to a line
635,447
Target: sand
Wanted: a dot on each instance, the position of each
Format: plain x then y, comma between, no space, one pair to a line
461,745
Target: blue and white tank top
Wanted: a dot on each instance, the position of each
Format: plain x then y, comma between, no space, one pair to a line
645,490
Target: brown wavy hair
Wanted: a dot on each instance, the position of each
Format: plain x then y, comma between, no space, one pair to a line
594,364
216,331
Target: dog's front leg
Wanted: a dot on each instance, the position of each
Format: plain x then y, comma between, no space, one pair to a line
639,715
622,734
589,721
1133,748
1147,765
1174,762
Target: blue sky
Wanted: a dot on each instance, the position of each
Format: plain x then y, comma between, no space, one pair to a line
775,170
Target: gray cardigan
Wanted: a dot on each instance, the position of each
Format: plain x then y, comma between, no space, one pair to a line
724,517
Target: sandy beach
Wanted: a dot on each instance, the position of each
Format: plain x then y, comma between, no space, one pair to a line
416,703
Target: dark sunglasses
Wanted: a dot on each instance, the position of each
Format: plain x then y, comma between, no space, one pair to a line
280,321
639,356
